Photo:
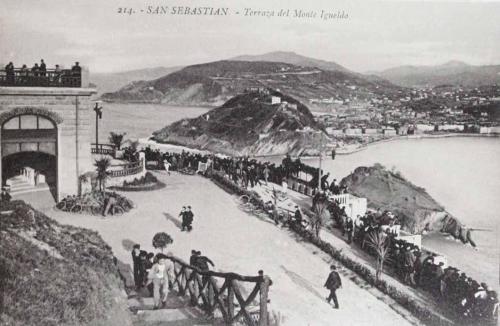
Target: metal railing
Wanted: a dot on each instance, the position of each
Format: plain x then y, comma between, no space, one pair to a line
103,149
48,78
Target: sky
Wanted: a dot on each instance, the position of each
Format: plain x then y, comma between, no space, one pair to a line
376,35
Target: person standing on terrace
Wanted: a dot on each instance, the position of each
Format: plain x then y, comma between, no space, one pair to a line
9,71
43,68
76,70
35,71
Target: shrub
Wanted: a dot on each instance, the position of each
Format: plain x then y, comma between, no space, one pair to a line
162,240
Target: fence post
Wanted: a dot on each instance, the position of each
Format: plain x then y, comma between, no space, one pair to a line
230,300
264,288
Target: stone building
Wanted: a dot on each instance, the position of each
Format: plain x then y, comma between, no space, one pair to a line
45,129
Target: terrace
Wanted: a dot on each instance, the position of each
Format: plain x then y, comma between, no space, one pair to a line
49,78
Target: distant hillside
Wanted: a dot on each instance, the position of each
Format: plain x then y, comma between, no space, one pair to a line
111,82
451,73
248,124
214,83
294,59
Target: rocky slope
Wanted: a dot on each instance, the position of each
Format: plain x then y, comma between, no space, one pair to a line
387,190
54,274
249,124
214,83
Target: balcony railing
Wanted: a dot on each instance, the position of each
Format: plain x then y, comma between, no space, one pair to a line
103,149
123,170
48,78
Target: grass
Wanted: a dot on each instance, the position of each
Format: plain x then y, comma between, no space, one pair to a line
70,280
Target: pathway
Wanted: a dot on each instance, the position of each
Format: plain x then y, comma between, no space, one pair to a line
241,243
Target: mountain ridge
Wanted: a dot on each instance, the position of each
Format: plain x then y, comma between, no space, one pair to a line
454,72
213,83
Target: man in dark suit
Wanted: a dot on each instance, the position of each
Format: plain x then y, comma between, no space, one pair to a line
189,218
137,263
333,283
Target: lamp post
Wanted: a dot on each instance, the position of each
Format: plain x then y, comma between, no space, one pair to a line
98,115
320,172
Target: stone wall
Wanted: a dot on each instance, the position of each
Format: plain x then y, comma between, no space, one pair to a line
71,110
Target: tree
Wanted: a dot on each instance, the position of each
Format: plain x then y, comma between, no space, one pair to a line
379,242
162,240
102,165
130,152
116,139
320,217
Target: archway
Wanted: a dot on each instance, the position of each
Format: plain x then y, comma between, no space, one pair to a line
29,151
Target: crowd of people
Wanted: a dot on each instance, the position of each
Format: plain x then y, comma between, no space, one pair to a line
473,302
25,75
155,272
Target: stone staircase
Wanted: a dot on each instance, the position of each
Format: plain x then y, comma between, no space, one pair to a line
19,185
178,311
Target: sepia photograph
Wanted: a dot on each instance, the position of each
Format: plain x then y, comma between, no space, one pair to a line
249,163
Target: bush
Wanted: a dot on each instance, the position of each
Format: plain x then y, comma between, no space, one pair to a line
162,240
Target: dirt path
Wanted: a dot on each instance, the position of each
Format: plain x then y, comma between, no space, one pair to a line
241,243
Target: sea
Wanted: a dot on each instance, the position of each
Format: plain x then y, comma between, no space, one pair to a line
461,173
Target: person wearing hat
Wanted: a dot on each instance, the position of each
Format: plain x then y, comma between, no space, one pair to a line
194,256
161,275
333,282
137,262
298,216
182,215
189,218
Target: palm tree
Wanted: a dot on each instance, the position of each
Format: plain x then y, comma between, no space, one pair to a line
379,242
116,139
320,217
102,165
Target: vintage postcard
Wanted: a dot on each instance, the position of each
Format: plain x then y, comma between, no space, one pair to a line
266,163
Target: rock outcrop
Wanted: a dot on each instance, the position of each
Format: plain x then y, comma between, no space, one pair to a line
417,210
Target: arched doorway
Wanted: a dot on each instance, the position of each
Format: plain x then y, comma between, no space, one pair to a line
29,143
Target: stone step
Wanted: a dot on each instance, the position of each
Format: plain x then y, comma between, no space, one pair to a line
170,317
27,189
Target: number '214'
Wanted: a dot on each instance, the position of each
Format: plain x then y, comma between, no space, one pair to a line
124,10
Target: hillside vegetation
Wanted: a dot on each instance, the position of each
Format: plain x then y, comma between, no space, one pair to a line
248,124
53,274
388,190
214,83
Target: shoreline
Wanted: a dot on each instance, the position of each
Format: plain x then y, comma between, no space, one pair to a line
345,150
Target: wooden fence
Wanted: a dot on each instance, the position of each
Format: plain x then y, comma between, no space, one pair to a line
220,293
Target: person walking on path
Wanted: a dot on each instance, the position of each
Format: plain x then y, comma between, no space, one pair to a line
333,283
160,275
183,217
166,164
189,218
136,260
